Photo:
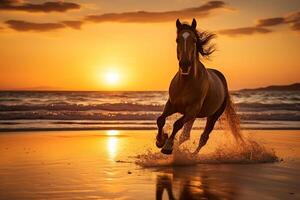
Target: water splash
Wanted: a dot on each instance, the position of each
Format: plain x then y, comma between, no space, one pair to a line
249,152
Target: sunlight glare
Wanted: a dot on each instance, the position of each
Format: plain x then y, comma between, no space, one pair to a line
112,145
112,132
111,77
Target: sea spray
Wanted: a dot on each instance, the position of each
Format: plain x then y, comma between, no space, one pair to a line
248,152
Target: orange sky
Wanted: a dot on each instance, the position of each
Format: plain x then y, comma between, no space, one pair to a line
38,50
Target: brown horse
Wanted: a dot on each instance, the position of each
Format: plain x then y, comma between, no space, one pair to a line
195,91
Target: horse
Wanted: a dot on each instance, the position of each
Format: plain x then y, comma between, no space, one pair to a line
195,91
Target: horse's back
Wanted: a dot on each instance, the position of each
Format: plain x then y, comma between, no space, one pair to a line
220,76
216,93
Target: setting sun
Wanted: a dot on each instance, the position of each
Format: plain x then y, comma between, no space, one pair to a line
111,77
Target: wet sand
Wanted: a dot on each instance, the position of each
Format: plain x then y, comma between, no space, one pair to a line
103,165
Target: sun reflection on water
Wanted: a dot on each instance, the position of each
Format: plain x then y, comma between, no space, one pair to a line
112,132
112,143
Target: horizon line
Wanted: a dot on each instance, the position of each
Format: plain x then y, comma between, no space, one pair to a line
71,90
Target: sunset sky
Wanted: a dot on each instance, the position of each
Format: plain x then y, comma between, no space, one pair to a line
130,44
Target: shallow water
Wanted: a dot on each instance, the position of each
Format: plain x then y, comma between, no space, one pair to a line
102,165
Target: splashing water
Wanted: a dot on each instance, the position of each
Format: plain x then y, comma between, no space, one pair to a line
248,152
239,151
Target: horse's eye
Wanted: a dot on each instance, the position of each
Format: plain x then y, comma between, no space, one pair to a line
177,40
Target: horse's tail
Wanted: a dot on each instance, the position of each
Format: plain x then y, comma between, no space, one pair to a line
232,119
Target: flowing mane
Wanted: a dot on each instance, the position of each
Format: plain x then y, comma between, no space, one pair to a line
204,47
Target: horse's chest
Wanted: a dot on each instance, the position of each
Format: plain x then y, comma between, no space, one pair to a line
180,102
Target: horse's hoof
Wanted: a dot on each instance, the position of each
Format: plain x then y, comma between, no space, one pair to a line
160,143
166,151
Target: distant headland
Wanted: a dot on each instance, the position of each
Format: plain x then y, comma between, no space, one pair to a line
291,87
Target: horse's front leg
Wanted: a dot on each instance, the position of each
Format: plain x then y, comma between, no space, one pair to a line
190,114
161,120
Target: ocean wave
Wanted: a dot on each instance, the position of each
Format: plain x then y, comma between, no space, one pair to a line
61,106
131,115
75,115
251,105
265,106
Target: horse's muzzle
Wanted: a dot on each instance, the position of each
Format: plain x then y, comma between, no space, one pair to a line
185,72
185,67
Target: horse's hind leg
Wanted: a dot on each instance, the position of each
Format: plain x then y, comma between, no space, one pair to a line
210,123
185,135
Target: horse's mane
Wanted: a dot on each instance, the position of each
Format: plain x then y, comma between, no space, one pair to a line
203,40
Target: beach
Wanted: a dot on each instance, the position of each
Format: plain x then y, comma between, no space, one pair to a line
115,164
138,100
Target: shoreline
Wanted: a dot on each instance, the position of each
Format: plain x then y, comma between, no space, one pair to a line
17,130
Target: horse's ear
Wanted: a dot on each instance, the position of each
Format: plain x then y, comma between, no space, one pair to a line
178,24
194,24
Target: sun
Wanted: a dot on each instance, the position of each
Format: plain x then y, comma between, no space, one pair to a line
111,77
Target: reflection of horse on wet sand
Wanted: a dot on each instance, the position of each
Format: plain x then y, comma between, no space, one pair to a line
179,185
195,91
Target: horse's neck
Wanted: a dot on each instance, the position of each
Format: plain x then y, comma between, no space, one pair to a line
199,69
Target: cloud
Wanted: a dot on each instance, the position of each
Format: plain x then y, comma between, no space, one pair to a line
293,19
146,16
296,26
24,26
75,24
19,25
138,17
270,21
244,31
53,6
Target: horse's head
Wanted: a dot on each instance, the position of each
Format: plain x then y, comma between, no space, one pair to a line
191,43
186,45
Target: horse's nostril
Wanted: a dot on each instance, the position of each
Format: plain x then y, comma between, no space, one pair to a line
181,63
184,63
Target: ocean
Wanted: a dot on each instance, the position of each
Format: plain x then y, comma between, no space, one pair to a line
76,110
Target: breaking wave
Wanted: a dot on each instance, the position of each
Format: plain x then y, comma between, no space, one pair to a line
257,108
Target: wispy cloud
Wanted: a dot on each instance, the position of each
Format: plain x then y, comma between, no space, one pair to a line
19,25
294,20
270,21
125,17
146,16
263,25
244,31
75,24
296,26
53,6
24,26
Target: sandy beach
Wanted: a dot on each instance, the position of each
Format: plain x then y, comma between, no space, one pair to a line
126,165
91,90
